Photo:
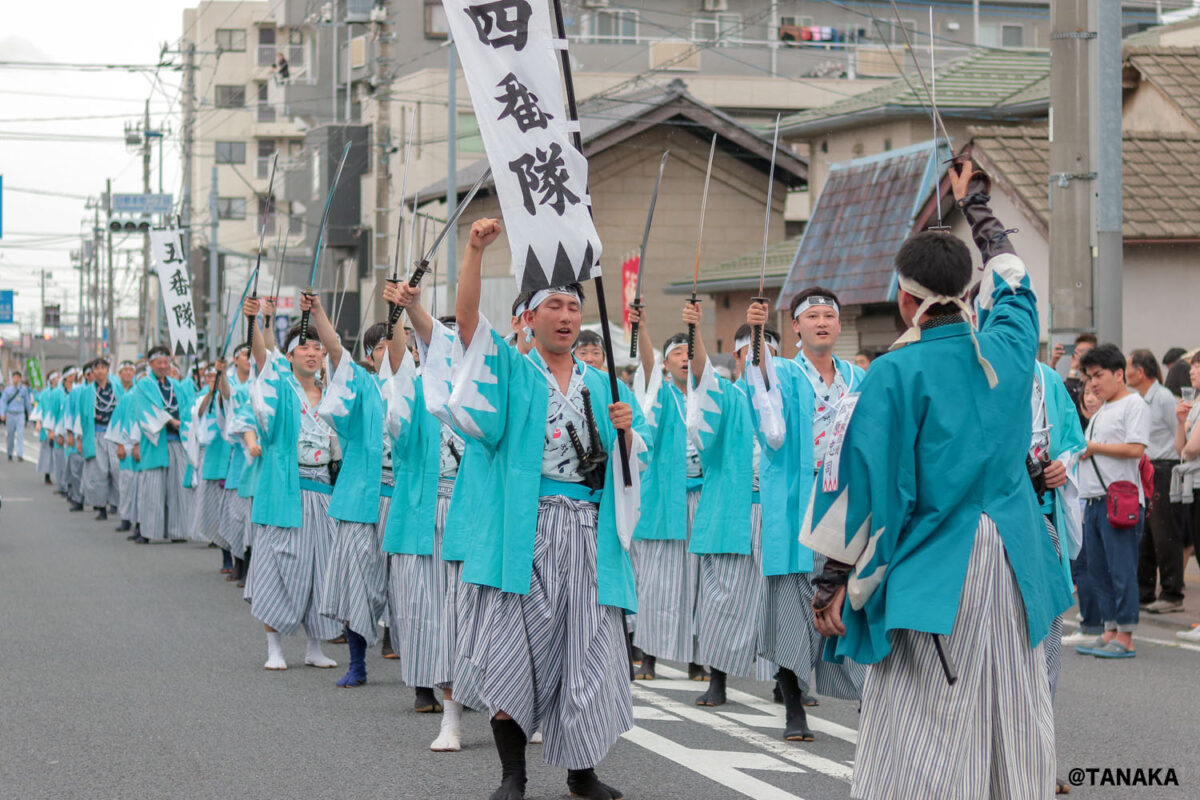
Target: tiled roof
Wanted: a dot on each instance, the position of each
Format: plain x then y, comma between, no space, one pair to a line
985,82
1175,71
866,209
742,272
1160,177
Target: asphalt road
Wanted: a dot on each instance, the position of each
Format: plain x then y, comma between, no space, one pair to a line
136,671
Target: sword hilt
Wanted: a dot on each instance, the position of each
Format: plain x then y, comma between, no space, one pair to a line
415,280
633,332
590,417
250,322
304,320
393,314
691,336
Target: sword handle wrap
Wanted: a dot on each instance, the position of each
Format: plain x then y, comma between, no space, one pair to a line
418,273
633,332
692,334
757,339
393,315
250,323
304,323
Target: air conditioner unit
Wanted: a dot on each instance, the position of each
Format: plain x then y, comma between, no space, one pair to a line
595,3
714,5
379,14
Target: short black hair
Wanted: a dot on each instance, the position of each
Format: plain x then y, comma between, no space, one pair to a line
673,339
237,351
589,339
812,291
1147,363
292,333
1087,338
158,350
1104,356
449,320
940,263
868,355
1172,355
745,330
16,372
373,335
521,300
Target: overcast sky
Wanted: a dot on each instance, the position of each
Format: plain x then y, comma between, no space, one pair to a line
75,154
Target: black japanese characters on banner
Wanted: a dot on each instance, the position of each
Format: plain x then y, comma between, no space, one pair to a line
169,262
540,178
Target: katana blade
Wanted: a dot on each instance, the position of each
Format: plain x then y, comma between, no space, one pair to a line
251,278
691,341
637,295
312,276
423,264
262,228
762,272
412,124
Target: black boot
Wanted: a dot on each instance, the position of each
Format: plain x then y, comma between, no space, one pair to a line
244,570
47,480
510,746
238,572
76,506
584,783
124,526
797,721
715,696
101,513
646,671
425,702
137,533
696,673
776,694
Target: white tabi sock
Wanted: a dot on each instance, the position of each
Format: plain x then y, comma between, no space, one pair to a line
449,740
275,652
313,656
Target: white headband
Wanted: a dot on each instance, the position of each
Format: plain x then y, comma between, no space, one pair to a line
928,298
293,344
771,339
816,300
671,348
71,373
521,309
542,295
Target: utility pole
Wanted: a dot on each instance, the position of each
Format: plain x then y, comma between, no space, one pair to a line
383,140
146,236
83,255
112,293
451,169
42,327
1072,217
96,328
1110,242
214,280
189,143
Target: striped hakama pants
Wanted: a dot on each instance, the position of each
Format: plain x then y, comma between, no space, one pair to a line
161,511
1053,641
555,658
667,577
75,475
356,581
730,609
790,639
100,476
206,513
463,618
991,734
285,583
45,457
235,520
127,502
418,595
59,464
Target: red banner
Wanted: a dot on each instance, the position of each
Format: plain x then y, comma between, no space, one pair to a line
629,274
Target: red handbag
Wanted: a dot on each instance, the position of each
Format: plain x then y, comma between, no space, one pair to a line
1121,501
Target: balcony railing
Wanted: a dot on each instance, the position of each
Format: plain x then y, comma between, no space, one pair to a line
265,112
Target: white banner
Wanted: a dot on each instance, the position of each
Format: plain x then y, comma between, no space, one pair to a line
511,63
170,262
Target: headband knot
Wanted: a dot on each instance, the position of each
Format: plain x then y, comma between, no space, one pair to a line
928,299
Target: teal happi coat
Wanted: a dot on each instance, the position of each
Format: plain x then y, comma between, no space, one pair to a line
500,399
928,450
665,484
721,425
148,417
119,427
86,424
353,407
239,394
205,430
787,466
416,437
240,419
1066,445
51,403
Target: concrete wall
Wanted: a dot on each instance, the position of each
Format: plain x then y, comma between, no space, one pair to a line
1160,288
1147,109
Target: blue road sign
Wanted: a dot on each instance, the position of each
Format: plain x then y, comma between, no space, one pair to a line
141,203
6,306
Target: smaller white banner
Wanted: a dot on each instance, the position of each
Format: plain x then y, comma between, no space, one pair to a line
170,262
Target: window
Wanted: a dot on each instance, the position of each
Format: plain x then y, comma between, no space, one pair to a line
436,26
295,219
266,47
266,153
266,112
231,152
231,40
724,29
1012,35
615,27
230,97
231,208
295,40
266,213
898,32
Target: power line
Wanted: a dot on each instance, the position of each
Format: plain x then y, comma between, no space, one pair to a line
79,66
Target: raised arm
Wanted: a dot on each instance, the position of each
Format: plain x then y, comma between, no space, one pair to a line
422,322
637,316
972,192
325,331
691,316
268,329
392,293
470,277
258,348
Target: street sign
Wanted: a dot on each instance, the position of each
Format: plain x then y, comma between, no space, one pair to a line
141,204
6,306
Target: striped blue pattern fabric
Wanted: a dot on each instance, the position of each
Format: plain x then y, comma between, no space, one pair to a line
730,608
100,478
790,639
161,508
75,476
60,466
127,491
555,658
206,513
356,582
235,522
45,458
1053,641
287,572
991,734
469,603
668,584
418,599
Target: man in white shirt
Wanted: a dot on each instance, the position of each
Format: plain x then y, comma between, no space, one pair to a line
1117,436
1160,558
